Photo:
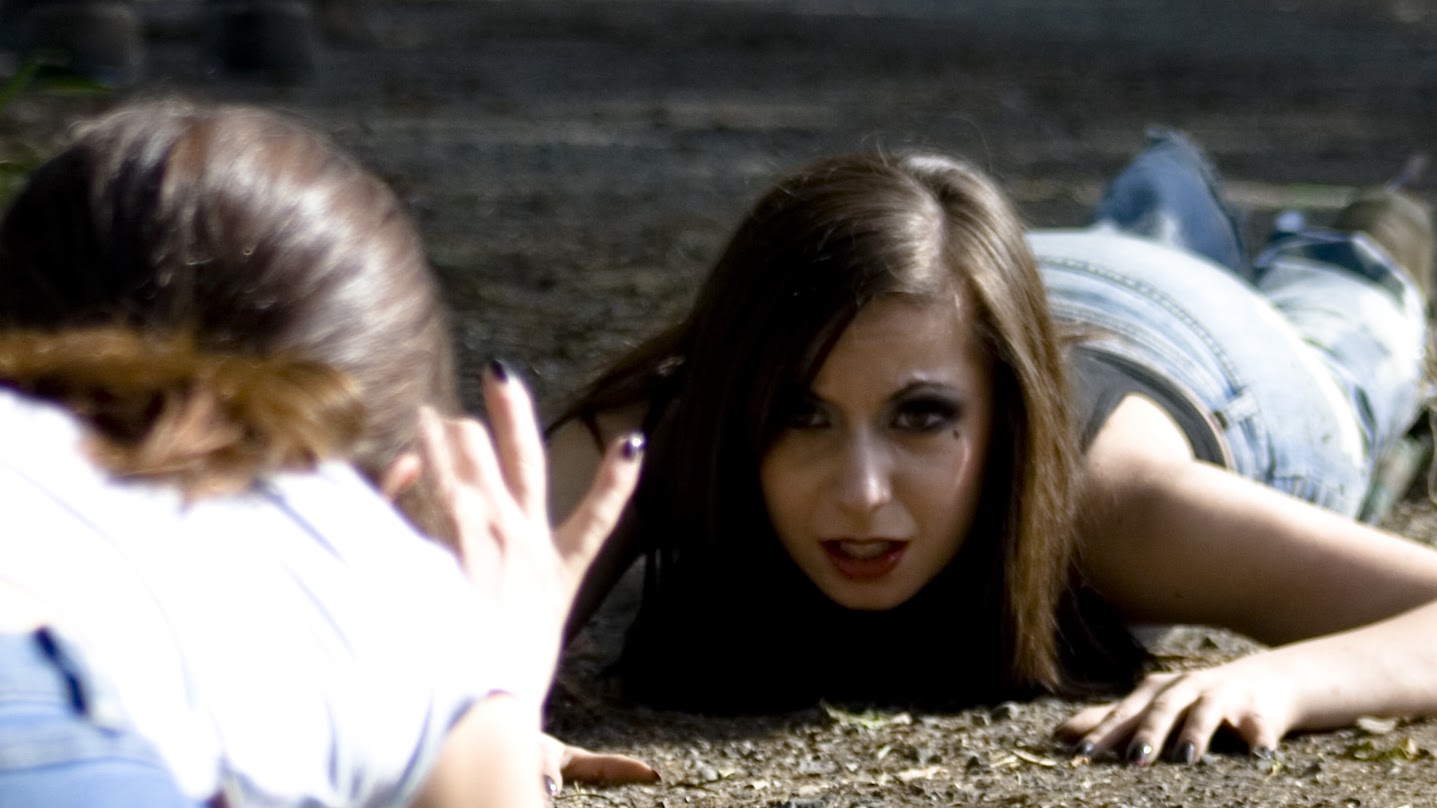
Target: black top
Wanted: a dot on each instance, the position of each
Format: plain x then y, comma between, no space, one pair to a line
1103,379
725,629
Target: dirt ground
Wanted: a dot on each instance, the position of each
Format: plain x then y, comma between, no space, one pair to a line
575,165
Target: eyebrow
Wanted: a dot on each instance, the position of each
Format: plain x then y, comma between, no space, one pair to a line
926,386
915,387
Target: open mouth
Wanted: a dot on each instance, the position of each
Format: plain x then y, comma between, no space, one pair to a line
864,559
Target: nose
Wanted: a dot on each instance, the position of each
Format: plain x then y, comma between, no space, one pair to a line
863,483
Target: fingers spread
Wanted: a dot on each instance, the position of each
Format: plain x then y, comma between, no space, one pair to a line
437,457
1118,721
517,437
1261,734
1155,723
584,532
1204,719
1184,711
1082,722
459,459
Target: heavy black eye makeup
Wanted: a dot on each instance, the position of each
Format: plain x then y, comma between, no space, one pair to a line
919,408
805,411
925,411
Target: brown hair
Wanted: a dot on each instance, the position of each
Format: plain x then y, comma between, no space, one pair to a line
815,249
220,293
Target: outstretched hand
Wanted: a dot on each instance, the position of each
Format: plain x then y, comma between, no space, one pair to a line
1182,711
564,763
492,492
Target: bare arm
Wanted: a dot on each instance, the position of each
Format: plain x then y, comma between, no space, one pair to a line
1169,539
490,758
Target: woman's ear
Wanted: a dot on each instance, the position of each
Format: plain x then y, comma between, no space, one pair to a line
401,475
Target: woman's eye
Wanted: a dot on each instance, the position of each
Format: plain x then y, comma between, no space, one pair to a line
925,414
807,415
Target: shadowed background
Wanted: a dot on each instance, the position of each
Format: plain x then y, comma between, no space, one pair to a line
574,167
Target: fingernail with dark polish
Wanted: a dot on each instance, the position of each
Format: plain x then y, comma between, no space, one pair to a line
1187,753
633,446
1084,749
551,786
1139,753
499,370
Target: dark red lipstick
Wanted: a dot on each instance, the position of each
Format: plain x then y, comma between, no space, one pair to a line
866,559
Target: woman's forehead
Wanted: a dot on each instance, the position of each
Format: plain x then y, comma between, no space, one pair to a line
903,336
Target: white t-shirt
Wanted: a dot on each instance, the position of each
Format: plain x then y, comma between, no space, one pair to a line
295,645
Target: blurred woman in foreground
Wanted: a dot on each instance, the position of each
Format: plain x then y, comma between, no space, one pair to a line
217,337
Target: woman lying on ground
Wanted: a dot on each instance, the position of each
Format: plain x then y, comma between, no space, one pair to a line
217,335
901,452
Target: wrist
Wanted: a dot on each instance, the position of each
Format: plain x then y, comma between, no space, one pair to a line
519,705
524,666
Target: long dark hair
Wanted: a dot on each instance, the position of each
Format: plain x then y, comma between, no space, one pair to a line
820,245
227,272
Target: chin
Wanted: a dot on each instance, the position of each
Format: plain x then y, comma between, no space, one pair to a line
867,598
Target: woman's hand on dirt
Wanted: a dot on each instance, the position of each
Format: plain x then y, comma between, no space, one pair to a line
492,491
574,764
1180,712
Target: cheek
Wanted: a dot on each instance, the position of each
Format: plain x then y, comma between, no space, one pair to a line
791,482
951,486
780,482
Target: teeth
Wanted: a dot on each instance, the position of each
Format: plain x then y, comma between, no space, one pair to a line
864,550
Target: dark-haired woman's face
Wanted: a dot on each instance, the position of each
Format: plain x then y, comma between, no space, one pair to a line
874,482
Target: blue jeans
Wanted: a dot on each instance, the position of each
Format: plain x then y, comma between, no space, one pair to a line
61,745
1310,358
